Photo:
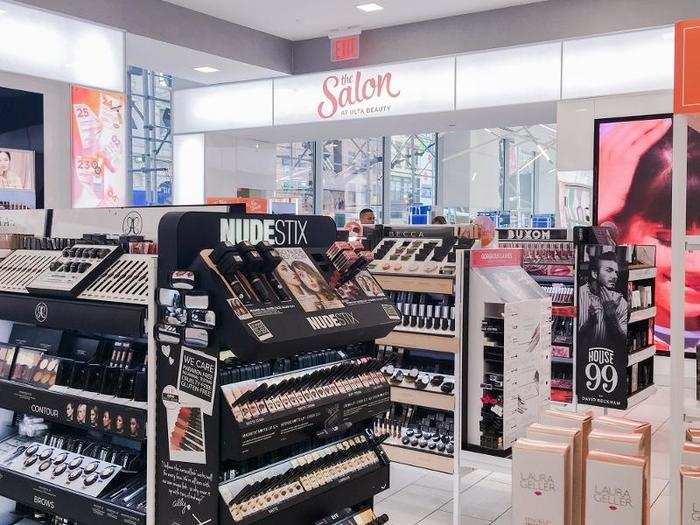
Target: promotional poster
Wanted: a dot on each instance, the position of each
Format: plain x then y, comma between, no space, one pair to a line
603,316
17,174
98,148
633,194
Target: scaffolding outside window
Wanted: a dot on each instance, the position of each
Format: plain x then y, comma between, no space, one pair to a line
352,177
413,174
295,175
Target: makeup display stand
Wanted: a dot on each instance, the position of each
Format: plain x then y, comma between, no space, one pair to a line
549,257
72,353
266,417
508,378
621,375
423,270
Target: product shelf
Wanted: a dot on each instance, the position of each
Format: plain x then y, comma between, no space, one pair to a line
64,502
638,273
640,396
437,343
241,441
641,355
692,243
643,314
424,398
51,405
345,492
563,360
550,279
93,317
427,459
437,284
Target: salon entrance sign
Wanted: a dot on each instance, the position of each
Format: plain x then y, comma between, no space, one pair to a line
687,77
426,86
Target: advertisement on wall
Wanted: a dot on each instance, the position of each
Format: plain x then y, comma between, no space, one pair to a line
381,91
97,148
633,195
603,316
17,175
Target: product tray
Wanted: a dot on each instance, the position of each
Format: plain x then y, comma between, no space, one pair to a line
240,441
66,503
346,492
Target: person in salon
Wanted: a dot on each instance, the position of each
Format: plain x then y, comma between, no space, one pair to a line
367,216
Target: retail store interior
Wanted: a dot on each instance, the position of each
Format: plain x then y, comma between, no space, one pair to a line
349,263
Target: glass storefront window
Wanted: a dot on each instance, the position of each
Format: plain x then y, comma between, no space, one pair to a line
413,174
352,178
295,175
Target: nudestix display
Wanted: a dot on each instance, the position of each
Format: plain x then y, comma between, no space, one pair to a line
542,482
267,391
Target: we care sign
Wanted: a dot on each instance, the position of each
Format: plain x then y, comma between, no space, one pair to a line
388,90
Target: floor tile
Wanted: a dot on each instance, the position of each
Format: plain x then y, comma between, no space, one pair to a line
401,476
413,503
486,500
505,519
501,477
445,518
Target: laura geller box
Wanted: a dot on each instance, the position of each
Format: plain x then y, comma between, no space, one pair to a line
615,487
541,483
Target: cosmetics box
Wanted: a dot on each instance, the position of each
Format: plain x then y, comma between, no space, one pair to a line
624,425
693,435
691,455
690,496
626,445
615,487
542,490
580,421
571,437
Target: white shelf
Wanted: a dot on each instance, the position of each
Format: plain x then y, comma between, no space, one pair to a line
643,395
692,243
4,252
641,355
641,315
637,274
692,410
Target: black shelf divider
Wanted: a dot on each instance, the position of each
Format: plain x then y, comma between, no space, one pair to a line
51,405
93,317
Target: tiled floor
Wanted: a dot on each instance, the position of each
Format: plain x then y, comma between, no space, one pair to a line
421,497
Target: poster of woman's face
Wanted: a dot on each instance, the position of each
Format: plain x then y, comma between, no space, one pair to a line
633,195
16,169
369,285
305,282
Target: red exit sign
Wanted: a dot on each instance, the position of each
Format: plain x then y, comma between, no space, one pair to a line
345,48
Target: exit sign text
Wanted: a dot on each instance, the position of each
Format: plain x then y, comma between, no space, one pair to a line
345,48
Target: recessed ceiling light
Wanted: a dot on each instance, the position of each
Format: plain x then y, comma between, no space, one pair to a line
369,8
2,12
206,69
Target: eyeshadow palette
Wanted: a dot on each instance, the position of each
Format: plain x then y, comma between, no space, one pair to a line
74,270
35,367
7,357
425,256
59,467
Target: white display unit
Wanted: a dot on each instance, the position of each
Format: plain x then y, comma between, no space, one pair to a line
506,295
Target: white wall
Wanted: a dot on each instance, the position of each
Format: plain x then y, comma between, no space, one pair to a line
57,172
232,163
576,118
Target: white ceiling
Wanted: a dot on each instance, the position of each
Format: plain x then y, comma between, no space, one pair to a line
180,62
302,19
